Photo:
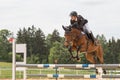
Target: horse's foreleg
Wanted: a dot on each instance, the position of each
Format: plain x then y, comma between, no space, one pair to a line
70,51
78,49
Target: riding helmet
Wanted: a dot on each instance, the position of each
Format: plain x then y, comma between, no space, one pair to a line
73,13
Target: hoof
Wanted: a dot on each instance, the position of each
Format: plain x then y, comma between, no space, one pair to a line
96,71
104,71
78,59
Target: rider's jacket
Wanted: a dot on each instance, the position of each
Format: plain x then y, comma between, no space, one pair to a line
79,23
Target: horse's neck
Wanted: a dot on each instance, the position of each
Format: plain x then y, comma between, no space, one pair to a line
77,32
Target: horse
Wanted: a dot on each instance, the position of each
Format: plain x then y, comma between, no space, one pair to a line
78,41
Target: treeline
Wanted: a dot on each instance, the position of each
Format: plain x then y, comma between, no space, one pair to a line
50,48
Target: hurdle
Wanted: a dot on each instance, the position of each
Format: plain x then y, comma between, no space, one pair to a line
72,76
79,66
55,66
85,66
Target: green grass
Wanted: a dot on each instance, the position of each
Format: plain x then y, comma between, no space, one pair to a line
5,70
5,65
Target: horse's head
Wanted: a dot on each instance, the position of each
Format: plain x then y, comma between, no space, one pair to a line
70,36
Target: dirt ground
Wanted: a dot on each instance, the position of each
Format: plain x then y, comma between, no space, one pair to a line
63,79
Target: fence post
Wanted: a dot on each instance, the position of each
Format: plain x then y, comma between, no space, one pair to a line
14,60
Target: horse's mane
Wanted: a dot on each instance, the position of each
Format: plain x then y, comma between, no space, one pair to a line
76,31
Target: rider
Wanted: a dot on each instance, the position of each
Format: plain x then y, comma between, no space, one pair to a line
79,22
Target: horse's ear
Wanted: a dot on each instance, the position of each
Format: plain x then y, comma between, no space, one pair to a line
63,27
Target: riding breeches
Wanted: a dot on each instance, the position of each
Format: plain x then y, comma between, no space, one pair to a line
86,29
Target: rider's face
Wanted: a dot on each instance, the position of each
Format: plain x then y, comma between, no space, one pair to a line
73,18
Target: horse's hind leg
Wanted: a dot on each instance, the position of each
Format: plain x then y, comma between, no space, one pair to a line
99,54
90,58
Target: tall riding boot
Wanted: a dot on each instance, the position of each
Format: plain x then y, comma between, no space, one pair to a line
88,35
92,38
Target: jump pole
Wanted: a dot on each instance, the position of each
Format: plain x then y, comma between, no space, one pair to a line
14,60
18,48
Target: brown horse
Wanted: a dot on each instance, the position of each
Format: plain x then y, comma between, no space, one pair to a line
76,40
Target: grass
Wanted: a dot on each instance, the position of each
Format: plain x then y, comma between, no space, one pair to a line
5,65
5,70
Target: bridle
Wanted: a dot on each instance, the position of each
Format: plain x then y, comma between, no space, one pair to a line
70,41
73,38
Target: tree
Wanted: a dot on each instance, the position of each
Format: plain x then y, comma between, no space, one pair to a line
118,49
36,46
5,46
55,37
59,53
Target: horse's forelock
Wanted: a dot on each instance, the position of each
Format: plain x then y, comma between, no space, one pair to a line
66,32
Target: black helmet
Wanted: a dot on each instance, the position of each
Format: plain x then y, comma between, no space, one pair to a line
73,13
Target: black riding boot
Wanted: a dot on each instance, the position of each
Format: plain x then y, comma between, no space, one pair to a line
92,38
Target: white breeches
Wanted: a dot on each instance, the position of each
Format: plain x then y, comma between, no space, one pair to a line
86,28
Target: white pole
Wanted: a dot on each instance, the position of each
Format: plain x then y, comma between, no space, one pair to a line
25,56
14,60
24,74
100,71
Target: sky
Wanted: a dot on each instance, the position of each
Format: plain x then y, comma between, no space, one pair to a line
103,15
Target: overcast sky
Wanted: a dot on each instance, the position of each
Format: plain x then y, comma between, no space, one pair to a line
103,15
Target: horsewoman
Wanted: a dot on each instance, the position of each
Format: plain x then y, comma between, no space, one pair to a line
77,21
